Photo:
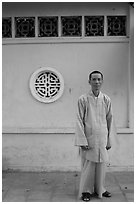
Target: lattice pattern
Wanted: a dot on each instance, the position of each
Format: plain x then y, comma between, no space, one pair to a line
47,85
48,26
94,25
6,28
25,27
116,25
71,26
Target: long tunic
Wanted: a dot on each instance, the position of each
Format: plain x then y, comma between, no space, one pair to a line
94,116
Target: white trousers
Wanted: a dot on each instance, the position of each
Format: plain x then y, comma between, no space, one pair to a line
92,178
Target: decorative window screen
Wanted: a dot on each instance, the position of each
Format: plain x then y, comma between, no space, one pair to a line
116,25
64,26
24,27
46,85
6,28
94,25
71,25
48,26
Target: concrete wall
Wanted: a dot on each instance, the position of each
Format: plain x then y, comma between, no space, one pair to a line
49,152
39,136
74,62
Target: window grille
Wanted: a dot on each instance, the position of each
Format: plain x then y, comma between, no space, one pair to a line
48,26
6,27
24,27
71,26
64,26
94,25
116,25
46,85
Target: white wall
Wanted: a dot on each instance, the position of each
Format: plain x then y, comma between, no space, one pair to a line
74,62
50,152
74,59
63,8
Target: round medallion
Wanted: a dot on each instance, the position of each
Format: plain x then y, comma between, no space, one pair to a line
46,84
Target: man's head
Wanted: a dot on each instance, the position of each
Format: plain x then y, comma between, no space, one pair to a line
95,80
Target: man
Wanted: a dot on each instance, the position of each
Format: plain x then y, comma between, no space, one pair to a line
94,119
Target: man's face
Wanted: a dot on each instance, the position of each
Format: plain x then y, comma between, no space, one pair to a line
96,81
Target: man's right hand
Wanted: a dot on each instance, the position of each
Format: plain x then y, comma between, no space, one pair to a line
85,147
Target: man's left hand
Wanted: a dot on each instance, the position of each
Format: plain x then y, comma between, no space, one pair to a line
108,145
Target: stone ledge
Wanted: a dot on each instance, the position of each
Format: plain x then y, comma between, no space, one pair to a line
55,130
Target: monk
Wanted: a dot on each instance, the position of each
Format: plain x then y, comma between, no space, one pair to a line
94,120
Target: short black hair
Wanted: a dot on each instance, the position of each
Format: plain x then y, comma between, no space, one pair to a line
95,72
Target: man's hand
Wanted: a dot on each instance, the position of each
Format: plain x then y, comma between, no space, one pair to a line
108,146
85,147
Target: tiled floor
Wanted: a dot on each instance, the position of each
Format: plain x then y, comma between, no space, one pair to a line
62,187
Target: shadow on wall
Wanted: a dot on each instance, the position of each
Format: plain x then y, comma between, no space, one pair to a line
5,163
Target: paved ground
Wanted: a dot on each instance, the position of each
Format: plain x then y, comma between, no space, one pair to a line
62,187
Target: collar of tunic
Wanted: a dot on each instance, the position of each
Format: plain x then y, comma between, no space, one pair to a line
92,94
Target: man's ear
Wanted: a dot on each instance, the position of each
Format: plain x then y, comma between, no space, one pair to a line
89,81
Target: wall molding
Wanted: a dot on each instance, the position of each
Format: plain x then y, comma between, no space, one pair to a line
20,168
60,40
51,130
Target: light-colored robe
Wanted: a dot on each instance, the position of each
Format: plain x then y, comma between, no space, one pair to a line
94,119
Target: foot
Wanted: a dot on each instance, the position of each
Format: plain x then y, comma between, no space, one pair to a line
106,194
86,196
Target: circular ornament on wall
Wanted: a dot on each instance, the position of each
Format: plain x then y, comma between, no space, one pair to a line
46,84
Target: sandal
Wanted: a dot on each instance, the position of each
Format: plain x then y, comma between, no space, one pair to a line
106,194
86,196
